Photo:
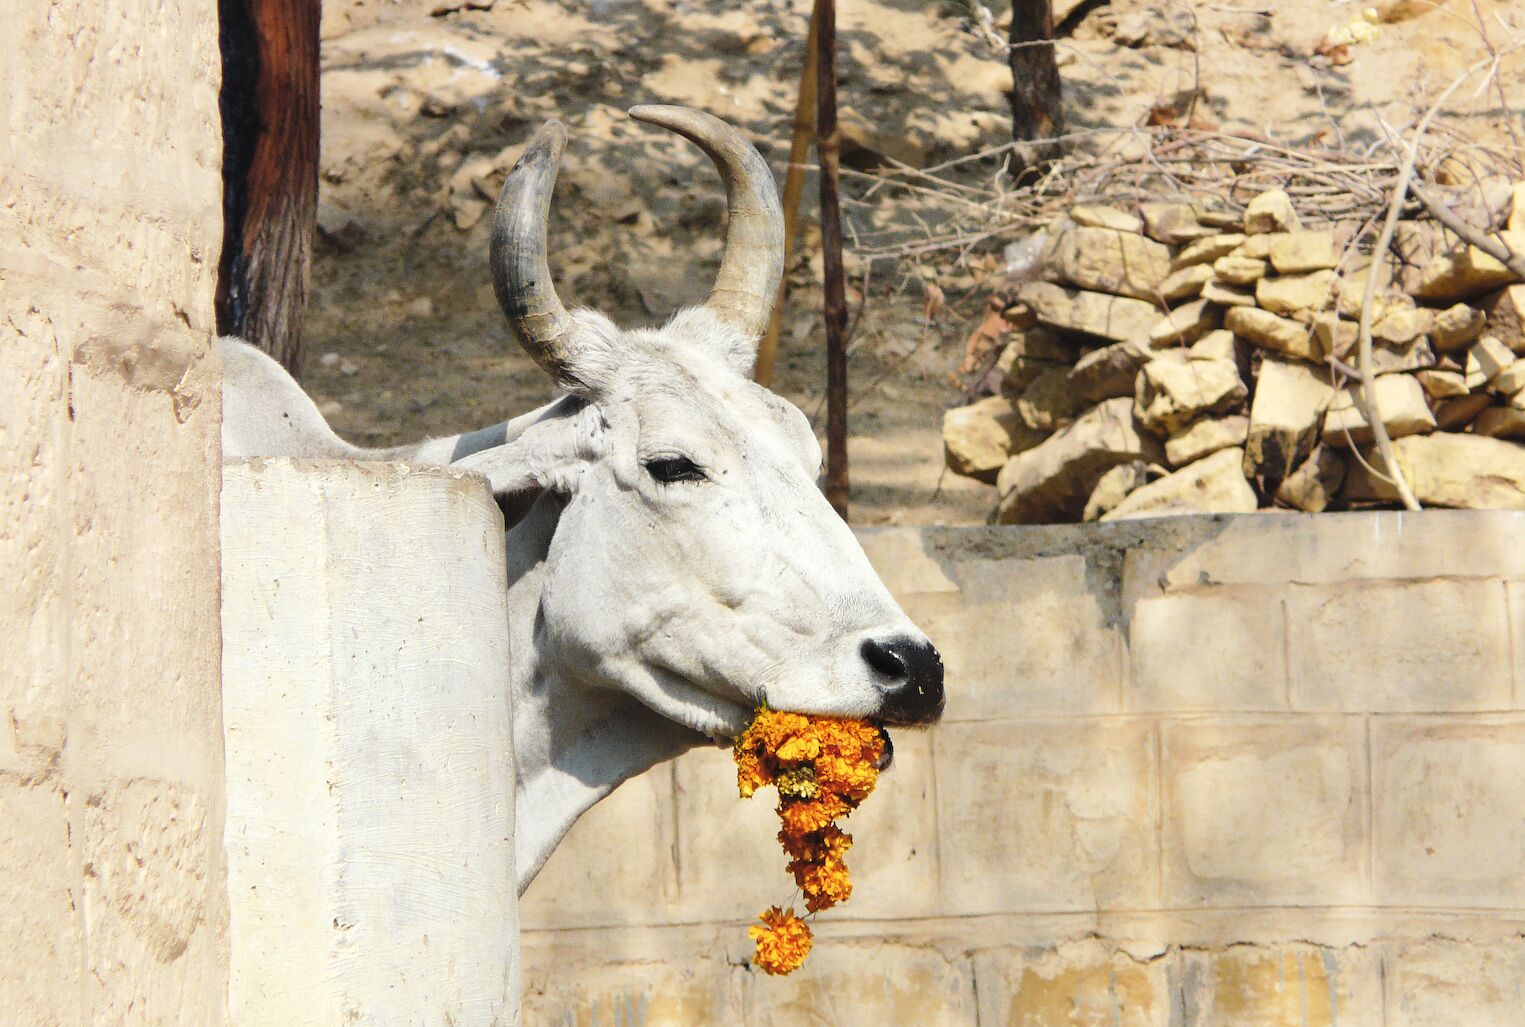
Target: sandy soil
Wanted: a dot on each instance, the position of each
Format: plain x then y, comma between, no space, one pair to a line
426,103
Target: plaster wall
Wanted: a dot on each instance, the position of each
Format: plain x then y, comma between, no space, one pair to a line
112,899
369,747
1196,771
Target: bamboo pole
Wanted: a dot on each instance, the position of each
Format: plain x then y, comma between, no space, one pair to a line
794,185
835,304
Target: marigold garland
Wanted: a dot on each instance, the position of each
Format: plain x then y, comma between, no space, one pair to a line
823,768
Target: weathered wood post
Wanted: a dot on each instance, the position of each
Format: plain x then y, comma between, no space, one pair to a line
826,147
270,116
1037,97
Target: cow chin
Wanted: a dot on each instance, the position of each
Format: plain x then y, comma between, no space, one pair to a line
716,716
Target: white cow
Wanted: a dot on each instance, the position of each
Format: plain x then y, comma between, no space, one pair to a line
672,563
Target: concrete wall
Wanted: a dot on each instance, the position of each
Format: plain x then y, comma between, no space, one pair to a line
370,755
1202,771
112,903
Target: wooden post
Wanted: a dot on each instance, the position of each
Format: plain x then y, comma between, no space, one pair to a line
1037,98
794,184
269,107
826,144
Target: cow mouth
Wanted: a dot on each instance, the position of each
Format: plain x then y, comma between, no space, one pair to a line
888,756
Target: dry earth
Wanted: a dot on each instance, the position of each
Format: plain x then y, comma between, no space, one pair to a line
426,103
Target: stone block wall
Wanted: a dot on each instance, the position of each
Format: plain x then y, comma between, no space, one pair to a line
112,900
1253,770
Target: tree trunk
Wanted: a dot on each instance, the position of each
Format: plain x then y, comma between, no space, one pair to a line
1037,100
269,108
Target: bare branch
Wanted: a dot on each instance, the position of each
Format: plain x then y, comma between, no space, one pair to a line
1489,242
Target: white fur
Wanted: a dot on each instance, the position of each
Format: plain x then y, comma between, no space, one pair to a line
644,617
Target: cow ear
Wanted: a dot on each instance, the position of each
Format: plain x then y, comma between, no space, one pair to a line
548,456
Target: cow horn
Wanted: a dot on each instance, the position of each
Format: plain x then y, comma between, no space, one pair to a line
753,263
521,277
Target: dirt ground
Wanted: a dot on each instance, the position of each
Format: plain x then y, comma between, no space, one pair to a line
427,102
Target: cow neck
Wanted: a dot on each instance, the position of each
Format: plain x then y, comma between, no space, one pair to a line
573,743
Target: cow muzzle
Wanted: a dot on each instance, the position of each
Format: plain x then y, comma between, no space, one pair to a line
909,674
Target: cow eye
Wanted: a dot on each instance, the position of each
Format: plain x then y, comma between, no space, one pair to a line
672,469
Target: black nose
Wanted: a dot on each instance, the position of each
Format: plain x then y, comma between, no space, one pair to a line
911,677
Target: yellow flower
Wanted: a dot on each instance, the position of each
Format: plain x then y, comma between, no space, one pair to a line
783,941
798,783
846,777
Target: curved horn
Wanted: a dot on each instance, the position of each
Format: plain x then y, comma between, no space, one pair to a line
747,284
521,277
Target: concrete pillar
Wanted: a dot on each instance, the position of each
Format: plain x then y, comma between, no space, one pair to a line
369,751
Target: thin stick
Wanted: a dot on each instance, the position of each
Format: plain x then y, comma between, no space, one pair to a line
1363,338
826,144
1490,244
794,184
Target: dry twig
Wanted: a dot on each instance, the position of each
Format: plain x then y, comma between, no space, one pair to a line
1490,243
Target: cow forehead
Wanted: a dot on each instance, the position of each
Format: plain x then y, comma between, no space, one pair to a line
682,398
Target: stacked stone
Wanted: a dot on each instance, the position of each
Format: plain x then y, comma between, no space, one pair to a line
1184,360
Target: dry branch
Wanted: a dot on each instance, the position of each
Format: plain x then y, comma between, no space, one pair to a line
1489,242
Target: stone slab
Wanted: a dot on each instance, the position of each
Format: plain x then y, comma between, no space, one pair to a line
1075,827
1446,980
1103,316
1264,812
1446,820
1354,547
1282,984
1355,648
1220,652
1214,484
1449,469
566,985
1044,647
864,985
1081,982
614,865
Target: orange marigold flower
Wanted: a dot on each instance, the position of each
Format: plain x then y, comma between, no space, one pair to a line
846,777
799,748
783,941
817,846
750,774
803,816
770,729
825,883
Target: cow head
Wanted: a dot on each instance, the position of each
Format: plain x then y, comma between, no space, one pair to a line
694,563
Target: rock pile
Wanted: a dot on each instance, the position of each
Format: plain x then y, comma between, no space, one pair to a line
1176,359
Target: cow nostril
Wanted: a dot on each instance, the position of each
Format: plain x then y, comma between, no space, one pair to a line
910,678
883,659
